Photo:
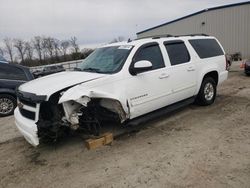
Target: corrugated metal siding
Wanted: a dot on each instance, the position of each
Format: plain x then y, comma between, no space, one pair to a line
230,25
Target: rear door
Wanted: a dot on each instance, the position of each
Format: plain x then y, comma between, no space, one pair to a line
183,70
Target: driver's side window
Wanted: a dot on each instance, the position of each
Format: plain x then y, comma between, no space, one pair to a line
150,53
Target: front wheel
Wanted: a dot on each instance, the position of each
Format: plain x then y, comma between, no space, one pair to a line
207,93
7,105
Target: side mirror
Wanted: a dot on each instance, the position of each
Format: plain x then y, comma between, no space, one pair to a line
141,66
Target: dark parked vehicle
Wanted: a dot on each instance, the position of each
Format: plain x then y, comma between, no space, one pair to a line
247,67
236,56
11,76
48,70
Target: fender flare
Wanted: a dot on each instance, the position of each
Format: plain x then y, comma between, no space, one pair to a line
7,91
202,75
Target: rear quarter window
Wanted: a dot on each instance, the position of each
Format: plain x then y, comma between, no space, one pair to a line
206,48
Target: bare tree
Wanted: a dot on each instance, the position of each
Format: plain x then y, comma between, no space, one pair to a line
44,48
86,52
38,46
64,46
19,44
48,44
57,49
29,50
74,44
9,48
118,39
1,51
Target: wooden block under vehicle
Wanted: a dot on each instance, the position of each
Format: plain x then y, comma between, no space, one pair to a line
105,139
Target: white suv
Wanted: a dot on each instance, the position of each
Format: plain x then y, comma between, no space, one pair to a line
126,83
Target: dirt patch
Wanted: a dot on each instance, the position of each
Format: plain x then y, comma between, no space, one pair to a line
194,147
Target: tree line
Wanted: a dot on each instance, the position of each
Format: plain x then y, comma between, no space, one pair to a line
41,50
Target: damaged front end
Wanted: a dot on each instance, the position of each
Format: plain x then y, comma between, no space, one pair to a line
59,115
51,124
91,115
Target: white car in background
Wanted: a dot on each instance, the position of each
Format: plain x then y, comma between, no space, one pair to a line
126,83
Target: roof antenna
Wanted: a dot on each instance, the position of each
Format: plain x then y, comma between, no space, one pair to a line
129,40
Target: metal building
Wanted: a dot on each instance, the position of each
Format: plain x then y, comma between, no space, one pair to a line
229,23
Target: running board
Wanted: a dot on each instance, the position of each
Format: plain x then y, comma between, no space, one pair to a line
160,112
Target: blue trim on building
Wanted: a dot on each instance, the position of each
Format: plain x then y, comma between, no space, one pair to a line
196,13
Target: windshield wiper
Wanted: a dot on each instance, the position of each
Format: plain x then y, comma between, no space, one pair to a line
92,70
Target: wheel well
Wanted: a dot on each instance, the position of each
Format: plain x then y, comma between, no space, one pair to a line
6,93
214,75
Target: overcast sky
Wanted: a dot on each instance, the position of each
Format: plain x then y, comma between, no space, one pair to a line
92,21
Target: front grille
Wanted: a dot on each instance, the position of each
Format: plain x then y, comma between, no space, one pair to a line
27,102
28,114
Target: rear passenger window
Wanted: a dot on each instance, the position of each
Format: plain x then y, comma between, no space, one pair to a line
151,53
11,73
206,48
177,52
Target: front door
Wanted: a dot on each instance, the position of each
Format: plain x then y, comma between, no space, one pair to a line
148,90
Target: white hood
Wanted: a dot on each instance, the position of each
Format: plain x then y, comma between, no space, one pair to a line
50,84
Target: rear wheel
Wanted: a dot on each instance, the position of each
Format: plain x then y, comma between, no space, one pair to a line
7,105
207,93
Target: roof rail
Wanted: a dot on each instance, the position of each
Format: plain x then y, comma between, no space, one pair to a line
155,36
162,36
168,35
193,35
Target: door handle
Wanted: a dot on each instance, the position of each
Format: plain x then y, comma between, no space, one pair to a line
190,69
163,76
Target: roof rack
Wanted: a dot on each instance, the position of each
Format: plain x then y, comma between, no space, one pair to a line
168,35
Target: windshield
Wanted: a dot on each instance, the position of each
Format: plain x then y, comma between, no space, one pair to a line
106,60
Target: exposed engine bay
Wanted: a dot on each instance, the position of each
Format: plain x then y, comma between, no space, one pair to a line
85,114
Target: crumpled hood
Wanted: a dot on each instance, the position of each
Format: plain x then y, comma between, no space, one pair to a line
50,84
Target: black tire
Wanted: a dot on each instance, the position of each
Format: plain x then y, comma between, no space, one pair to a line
204,97
11,103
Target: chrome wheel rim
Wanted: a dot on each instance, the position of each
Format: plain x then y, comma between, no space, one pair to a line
209,91
6,106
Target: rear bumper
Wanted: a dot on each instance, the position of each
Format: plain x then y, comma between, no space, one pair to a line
28,128
223,76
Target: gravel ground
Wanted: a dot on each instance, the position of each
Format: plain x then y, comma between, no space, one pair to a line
8,131
194,147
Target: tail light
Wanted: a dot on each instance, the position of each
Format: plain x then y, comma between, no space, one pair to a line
227,64
243,65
